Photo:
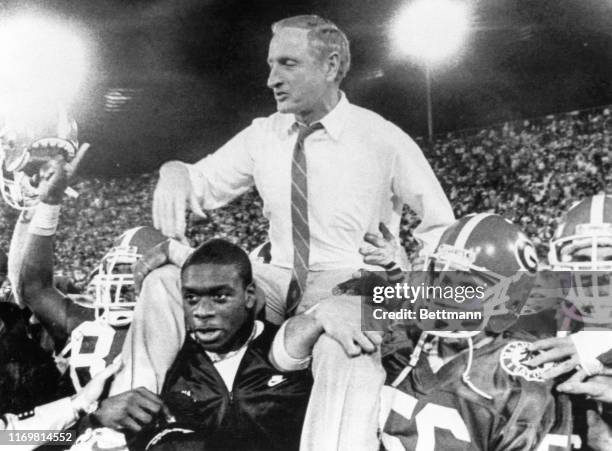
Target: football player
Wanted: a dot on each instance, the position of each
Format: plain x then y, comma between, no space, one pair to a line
581,253
464,385
469,388
94,324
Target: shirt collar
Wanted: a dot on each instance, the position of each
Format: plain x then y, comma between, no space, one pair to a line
256,332
333,122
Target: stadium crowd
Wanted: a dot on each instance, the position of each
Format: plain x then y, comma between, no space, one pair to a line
106,206
528,171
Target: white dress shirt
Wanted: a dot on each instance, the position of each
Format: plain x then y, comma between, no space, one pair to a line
361,170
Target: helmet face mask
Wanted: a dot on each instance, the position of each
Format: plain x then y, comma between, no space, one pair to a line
493,302
582,246
113,286
112,282
590,249
17,190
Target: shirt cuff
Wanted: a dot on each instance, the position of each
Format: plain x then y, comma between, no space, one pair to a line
199,184
281,358
590,344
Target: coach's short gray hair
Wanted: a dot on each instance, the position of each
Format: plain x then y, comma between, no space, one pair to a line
324,36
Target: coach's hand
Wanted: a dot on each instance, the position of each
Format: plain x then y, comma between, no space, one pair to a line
362,283
379,250
57,174
130,411
340,320
173,196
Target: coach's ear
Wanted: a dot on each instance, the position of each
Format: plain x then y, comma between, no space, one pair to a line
332,66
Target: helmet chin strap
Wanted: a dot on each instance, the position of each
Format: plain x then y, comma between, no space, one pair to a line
414,358
465,376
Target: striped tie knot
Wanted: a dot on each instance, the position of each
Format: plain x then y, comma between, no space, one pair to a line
304,131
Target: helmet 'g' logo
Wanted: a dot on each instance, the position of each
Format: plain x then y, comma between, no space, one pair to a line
526,254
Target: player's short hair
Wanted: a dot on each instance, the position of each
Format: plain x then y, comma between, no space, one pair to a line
222,252
324,36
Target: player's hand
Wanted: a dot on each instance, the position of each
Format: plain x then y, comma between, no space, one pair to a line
418,263
56,175
597,387
379,250
130,411
173,196
560,351
361,283
93,390
341,320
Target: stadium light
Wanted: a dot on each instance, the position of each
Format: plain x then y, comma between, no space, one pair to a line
431,31
42,62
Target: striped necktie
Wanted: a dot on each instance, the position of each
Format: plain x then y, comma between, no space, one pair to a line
299,219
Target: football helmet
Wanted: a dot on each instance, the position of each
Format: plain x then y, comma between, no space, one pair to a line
582,246
494,257
26,145
112,282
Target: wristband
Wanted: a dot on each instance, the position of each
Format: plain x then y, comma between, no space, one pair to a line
45,220
394,272
80,409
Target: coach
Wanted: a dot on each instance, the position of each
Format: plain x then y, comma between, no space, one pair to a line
328,172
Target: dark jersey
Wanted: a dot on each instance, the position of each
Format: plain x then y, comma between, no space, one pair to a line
427,411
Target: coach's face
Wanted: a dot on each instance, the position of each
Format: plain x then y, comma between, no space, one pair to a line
218,308
299,79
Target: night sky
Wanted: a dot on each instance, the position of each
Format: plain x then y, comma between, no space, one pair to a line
176,78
